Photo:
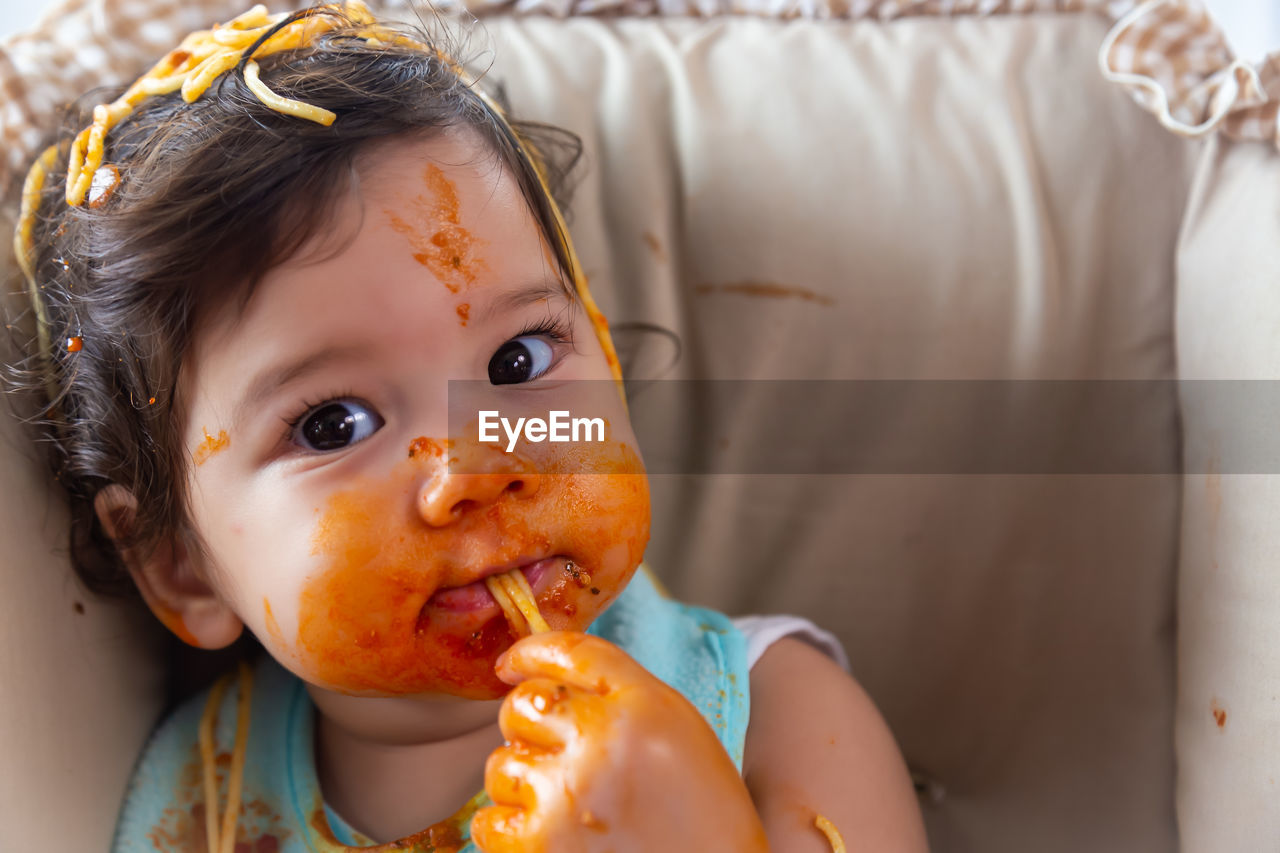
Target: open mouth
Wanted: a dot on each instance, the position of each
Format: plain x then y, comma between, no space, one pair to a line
476,596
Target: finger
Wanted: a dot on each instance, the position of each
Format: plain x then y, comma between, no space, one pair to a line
502,829
509,776
538,713
580,660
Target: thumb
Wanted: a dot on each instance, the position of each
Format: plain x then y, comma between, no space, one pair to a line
570,657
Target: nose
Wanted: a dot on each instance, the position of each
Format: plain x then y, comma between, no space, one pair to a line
474,476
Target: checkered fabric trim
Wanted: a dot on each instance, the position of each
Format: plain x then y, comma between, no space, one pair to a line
1169,54
1174,60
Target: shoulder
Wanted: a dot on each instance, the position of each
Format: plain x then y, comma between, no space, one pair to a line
761,632
817,745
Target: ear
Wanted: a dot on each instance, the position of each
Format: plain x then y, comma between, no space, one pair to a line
167,575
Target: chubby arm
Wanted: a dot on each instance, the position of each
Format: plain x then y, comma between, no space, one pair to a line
817,744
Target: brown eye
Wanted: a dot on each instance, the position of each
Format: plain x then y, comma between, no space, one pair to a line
519,360
335,425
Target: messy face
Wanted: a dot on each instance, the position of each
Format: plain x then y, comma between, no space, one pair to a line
340,520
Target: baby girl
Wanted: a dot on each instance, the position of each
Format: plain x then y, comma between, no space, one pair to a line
254,275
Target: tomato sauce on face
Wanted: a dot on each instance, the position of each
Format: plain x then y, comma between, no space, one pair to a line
421,446
210,445
273,627
433,228
366,620
175,623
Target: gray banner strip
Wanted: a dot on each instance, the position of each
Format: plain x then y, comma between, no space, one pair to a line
920,427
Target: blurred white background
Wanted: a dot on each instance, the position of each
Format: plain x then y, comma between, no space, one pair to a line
1252,25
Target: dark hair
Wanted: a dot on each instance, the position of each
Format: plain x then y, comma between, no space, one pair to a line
212,195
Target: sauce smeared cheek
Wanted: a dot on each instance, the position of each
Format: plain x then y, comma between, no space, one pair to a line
366,621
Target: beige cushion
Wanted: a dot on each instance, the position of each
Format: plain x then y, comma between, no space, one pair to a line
1228,720
960,199
82,683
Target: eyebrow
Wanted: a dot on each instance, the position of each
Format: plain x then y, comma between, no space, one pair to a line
266,382
519,297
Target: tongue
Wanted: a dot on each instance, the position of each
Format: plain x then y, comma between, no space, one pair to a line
473,596
476,595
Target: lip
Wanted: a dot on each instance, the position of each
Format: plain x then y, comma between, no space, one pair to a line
476,596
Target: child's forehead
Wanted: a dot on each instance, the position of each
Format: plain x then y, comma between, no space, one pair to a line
434,189
432,227
430,214
400,163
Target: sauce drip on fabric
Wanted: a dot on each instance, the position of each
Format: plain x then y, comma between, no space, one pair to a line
259,827
447,836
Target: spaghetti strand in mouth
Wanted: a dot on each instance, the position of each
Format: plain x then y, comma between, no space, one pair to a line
514,595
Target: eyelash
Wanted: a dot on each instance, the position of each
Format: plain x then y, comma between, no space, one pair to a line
557,328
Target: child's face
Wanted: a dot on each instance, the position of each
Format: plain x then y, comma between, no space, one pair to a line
333,525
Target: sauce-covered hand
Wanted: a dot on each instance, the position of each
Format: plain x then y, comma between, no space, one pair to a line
603,756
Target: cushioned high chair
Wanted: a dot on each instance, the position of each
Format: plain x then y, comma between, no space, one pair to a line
1072,658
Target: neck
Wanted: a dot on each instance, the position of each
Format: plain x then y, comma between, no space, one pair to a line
392,767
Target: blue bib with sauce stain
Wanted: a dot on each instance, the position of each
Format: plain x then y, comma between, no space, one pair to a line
698,652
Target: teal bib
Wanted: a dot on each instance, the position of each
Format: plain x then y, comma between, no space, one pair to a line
697,651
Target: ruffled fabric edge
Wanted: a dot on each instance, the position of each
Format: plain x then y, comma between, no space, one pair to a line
1168,54
1176,62
878,10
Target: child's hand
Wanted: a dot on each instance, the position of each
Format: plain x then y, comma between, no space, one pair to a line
602,756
